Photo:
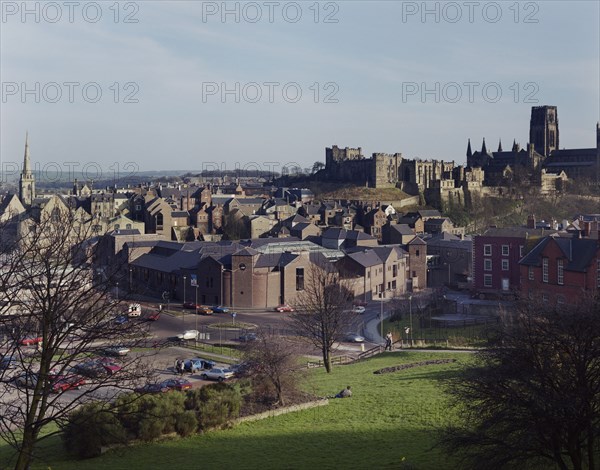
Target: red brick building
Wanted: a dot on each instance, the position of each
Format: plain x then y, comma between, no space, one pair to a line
496,256
561,270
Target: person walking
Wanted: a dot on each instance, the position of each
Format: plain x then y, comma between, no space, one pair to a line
388,341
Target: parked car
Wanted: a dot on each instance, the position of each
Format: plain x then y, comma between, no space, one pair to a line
217,374
31,340
358,309
121,319
240,370
219,309
196,364
204,310
248,337
134,311
152,388
97,368
189,334
191,305
284,308
154,316
8,362
67,382
177,384
355,338
116,350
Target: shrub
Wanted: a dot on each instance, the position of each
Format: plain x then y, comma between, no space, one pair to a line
186,423
90,428
214,404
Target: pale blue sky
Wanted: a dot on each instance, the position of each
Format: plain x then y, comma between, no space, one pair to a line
371,54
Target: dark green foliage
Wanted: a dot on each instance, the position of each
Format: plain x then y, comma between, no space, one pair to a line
215,404
90,428
186,423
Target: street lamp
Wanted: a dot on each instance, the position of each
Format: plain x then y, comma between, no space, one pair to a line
196,305
130,280
184,278
410,316
117,283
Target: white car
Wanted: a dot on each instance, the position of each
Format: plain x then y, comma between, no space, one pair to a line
217,374
189,334
355,338
358,309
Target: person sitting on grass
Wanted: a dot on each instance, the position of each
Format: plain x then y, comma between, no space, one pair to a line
345,393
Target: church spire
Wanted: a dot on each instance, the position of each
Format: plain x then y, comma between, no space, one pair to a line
483,147
515,147
469,152
26,162
500,145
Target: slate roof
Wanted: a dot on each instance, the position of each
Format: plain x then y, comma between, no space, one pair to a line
402,229
275,259
579,252
416,241
365,258
517,232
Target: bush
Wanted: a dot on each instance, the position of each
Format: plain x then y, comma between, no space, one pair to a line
90,428
214,404
186,423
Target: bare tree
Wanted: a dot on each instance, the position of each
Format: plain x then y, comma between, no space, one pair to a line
534,398
55,314
271,362
323,313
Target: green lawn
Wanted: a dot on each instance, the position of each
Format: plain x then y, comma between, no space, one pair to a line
390,417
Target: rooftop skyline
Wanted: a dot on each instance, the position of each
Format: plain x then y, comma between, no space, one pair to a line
186,86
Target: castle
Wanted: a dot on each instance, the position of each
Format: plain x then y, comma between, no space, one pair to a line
542,162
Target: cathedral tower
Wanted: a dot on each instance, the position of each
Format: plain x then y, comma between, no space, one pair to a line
27,180
543,129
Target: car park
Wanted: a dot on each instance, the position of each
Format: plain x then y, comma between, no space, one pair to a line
219,309
355,338
177,384
284,308
217,374
196,364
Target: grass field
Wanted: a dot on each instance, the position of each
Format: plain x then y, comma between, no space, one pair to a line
389,422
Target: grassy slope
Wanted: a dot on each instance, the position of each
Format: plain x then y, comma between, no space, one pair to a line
390,417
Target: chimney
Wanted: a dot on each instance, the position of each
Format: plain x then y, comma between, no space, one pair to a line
531,221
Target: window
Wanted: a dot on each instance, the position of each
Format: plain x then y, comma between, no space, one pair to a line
560,300
545,297
487,250
521,250
504,265
299,278
417,252
505,250
117,226
395,270
487,264
560,275
487,280
544,269
128,226
531,275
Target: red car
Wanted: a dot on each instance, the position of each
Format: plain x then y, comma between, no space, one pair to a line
153,316
284,308
67,382
177,384
191,305
31,340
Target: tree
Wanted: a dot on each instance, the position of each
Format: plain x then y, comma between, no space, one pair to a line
52,297
534,397
317,166
322,311
271,364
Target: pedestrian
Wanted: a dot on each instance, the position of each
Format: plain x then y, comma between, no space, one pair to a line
345,393
388,341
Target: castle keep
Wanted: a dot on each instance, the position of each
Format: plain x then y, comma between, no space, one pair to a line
546,166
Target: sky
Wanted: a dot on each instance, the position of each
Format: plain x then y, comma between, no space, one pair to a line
106,88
